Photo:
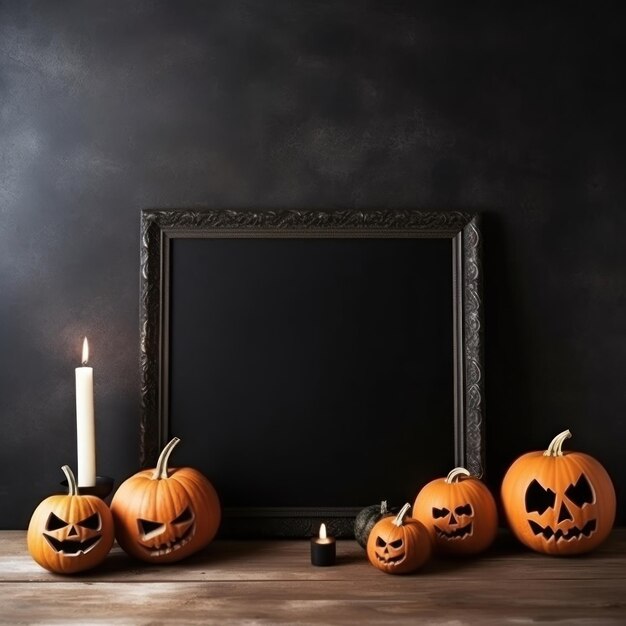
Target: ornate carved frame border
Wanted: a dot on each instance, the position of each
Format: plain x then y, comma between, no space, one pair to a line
159,227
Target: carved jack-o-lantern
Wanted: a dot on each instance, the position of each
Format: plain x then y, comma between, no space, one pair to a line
70,533
459,511
398,545
164,515
559,503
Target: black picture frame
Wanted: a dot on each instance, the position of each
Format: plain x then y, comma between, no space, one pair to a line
159,228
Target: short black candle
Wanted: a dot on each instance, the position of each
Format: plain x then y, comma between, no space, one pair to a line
323,549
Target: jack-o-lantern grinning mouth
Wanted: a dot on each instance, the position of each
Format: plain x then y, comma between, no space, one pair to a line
391,560
458,533
170,546
71,547
567,535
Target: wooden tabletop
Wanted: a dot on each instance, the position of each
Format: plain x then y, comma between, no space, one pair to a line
272,582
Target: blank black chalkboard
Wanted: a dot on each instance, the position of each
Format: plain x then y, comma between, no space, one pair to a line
312,372
308,373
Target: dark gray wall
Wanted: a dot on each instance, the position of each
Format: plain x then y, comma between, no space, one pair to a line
110,107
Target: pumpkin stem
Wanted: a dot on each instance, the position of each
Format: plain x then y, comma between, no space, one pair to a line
556,445
160,471
383,507
72,486
400,517
455,475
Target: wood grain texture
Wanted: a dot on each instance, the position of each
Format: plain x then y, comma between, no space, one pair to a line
272,582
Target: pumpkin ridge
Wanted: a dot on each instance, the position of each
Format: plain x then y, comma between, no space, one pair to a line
172,495
201,489
144,493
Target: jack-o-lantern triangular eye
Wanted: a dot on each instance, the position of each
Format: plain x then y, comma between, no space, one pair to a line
539,499
437,513
185,516
55,523
380,542
396,544
580,493
146,526
464,510
92,522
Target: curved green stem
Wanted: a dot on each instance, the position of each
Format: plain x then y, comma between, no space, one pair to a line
160,471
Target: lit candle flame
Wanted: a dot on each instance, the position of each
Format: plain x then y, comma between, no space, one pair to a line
323,531
85,351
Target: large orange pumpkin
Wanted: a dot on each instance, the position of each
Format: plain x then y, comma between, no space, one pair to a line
70,533
559,502
163,515
398,545
459,511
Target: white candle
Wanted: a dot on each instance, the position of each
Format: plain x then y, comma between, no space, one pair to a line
85,423
323,534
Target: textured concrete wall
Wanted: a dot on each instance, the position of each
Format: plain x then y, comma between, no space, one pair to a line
110,107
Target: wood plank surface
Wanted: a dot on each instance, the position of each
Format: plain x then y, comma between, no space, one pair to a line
272,582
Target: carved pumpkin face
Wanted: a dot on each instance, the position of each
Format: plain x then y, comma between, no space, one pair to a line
398,545
162,537
389,548
163,515
73,538
454,524
70,533
573,509
559,503
459,511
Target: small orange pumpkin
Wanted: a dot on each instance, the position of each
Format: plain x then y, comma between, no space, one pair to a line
459,511
398,545
559,502
163,515
70,533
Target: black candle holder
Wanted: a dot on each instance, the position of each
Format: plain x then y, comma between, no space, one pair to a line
102,489
323,551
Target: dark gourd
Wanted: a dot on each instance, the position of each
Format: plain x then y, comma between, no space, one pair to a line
365,520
